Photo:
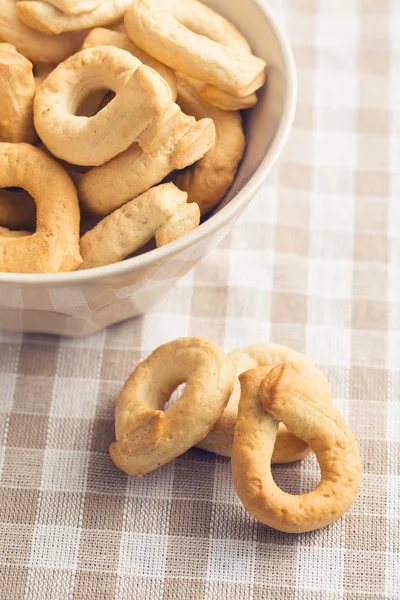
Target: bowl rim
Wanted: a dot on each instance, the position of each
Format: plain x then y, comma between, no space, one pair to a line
215,222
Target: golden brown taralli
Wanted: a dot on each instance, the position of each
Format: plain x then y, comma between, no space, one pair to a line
208,180
34,45
54,246
133,225
168,144
288,447
147,437
269,396
140,95
190,37
49,19
17,90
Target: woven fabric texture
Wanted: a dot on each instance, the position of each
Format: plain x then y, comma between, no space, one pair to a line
314,263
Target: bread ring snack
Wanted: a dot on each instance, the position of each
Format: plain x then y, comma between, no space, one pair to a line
55,244
172,141
35,46
119,39
130,227
225,101
282,395
17,90
147,437
192,38
17,209
208,180
288,448
75,7
140,95
49,19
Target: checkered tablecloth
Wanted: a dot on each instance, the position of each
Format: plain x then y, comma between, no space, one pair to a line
315,264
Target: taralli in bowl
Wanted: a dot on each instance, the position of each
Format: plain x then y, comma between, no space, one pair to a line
34,45
288,447
161,212
269,396
147,437
54,246
49,19
17,90
190,37
209,179
164,147
140,95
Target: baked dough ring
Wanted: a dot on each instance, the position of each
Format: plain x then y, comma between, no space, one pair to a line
141,94
147,437
301,406
17,90
48,19
208,180
133,225
192,38
288,448
17,210
35,46
172,141
54,246
119,39
75,7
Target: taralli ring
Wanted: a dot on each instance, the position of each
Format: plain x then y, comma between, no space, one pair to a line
208,180
17,90
49,19
192,38
288,447
119,39
55,244
282,395
140,95
172,141
161,212
147,437
34,45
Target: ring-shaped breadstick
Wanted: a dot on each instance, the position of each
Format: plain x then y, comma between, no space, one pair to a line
208,180
49,19
147,437
17,90
54,246
17,209
172,141
282,395
35,46
226,101
75,7
192,38
288,448
140,95
133,225
119,39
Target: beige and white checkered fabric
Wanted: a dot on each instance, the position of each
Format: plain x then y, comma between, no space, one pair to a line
314,263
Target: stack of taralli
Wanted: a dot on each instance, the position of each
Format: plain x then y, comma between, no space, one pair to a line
260,405
136,105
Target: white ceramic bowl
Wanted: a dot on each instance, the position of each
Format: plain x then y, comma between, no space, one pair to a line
83,302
